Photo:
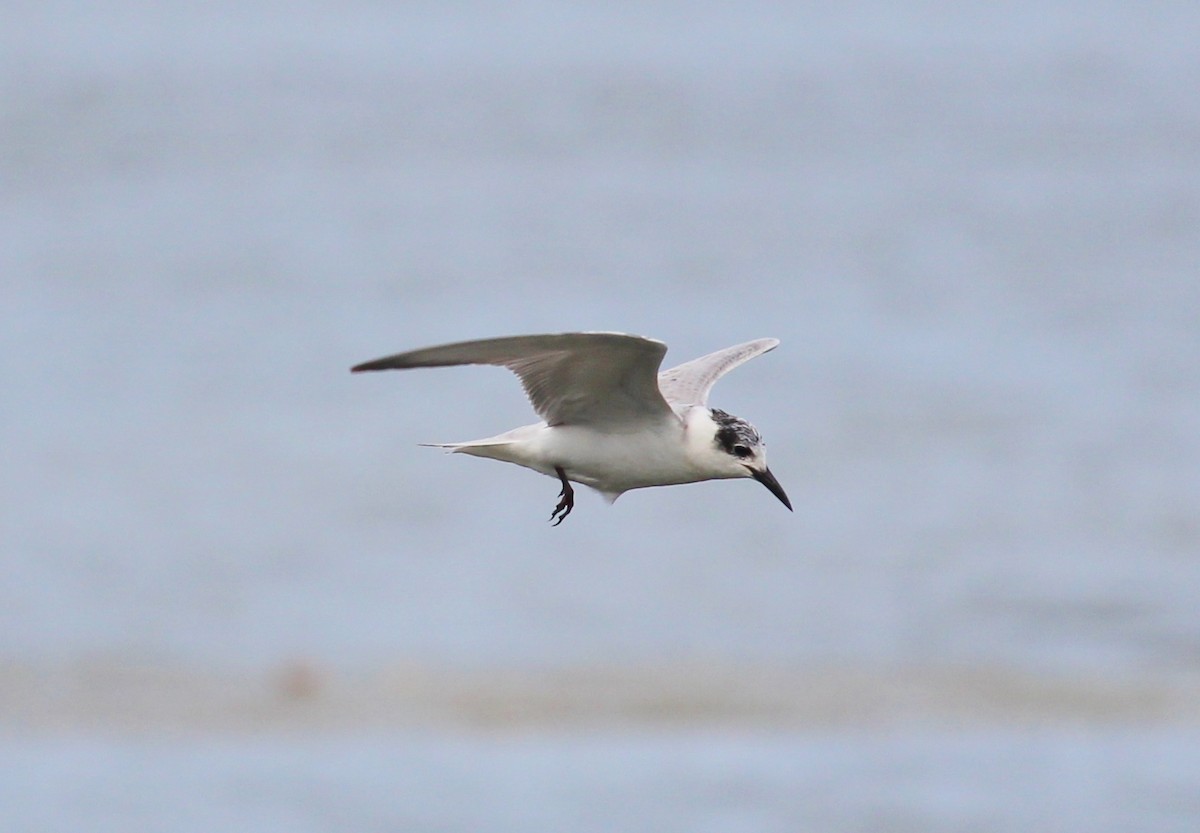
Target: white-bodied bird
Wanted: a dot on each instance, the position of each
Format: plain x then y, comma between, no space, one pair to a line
610,420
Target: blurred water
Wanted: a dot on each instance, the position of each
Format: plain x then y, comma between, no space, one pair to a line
976,231
656,781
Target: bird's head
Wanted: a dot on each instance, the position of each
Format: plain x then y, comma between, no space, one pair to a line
731,447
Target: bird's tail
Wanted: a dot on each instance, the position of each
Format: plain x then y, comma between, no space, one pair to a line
447,446
511,446
497,448
453,447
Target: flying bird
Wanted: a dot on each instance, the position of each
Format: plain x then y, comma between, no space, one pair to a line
610,419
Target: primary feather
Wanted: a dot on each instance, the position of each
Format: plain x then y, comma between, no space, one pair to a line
570,378
690,383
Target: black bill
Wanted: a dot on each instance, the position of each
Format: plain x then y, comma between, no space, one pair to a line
767,479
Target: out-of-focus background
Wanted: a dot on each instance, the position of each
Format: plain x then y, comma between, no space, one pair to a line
235,595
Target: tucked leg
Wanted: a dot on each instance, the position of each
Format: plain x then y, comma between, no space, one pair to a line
568,498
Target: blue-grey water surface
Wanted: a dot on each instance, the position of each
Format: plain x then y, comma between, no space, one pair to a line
976,231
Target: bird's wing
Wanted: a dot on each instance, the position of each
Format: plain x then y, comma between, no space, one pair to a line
689,384
571,378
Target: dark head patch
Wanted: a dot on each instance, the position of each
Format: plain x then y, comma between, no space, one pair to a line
732,431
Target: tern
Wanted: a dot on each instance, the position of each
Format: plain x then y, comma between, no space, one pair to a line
610,419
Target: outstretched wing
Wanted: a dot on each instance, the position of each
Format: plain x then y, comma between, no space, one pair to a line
689,384
571,378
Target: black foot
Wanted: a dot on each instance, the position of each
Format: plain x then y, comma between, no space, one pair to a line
568,498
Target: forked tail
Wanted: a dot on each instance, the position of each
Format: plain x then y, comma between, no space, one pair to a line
495,448
511,446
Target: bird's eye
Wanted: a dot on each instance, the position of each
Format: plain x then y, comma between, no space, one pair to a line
741,451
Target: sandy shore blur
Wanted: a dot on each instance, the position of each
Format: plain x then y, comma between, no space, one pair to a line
301,696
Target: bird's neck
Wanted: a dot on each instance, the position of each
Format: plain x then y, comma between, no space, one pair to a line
699,430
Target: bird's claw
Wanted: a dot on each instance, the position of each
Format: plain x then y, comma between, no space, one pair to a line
567,494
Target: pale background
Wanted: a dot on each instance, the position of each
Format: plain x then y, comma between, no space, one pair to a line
234,594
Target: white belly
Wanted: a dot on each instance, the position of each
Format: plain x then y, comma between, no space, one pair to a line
609,462
615,463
